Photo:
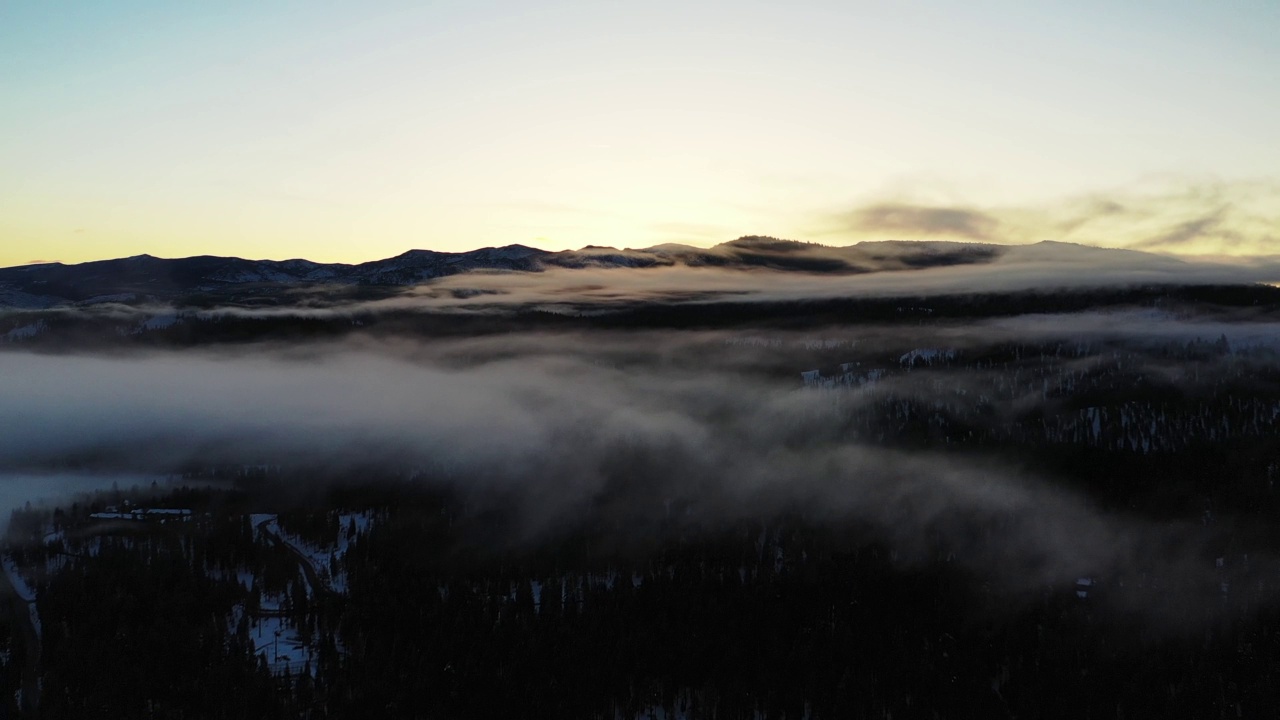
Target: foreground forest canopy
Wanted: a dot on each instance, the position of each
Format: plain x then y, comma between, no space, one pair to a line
740,501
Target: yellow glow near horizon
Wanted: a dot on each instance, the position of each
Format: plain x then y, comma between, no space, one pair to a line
349,134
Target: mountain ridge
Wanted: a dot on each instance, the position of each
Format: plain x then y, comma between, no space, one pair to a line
148,278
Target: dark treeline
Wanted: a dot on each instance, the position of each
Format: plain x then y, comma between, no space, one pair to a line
419,613
204,323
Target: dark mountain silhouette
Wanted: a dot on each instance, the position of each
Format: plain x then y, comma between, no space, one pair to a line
144,278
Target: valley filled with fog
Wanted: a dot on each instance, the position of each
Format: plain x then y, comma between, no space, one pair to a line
876,492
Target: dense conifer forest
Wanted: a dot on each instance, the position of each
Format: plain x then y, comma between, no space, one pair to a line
387,588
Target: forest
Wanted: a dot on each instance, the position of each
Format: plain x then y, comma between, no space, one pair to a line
1126,569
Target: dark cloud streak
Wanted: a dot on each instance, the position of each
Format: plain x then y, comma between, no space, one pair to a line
1208,226
925,220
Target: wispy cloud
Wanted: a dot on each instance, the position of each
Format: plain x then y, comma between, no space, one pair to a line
955,222
1184,233
1181,216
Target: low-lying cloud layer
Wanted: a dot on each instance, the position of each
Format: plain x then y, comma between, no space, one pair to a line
572,426
981,269
1040,267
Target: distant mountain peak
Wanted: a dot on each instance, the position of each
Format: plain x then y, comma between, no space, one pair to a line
514,251
765,242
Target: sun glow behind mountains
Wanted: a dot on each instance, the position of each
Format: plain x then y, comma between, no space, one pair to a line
350,133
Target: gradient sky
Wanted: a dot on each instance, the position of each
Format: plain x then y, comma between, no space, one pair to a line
353,131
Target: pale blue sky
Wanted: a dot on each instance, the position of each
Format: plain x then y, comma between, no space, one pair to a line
348,131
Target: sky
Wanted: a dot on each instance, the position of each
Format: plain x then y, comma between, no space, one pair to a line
355,131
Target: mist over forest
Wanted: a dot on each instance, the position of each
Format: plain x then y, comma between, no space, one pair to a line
1051,437
568,360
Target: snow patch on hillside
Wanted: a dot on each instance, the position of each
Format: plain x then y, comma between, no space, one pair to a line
25,332
25,591
25,301
282,645
159,322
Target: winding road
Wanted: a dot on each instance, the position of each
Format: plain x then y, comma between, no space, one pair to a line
22,611
308,567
